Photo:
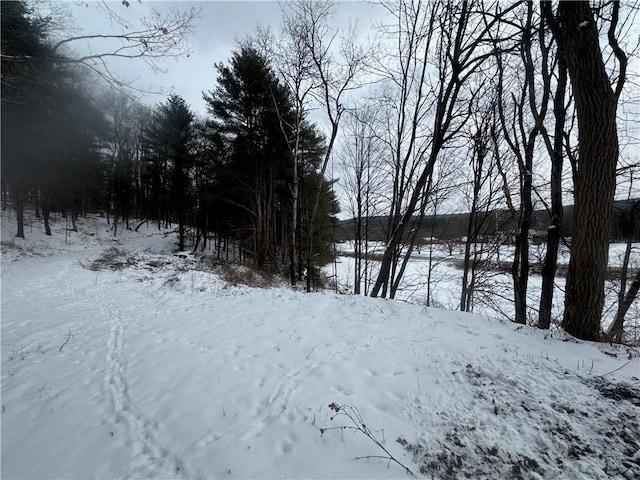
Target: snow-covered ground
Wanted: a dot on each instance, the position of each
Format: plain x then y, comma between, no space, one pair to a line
122,360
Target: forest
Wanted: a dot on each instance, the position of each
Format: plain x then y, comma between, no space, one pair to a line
446,107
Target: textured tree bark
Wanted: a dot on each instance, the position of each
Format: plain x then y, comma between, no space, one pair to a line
595,177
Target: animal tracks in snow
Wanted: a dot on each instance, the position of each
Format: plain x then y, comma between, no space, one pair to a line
149,458
264,411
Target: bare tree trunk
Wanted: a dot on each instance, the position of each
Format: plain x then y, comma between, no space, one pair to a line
616,329
294,219
314,212
357,274
74,214
479,152
19,206
45,213
554,232
36,202
468,286
521,263
397,276
598,151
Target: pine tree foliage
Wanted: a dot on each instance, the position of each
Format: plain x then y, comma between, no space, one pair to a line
169,141
250,108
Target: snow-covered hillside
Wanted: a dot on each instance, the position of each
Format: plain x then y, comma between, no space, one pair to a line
122,360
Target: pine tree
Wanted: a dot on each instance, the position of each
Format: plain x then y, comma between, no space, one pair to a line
43,98
24,92
245,108
250,108
170,140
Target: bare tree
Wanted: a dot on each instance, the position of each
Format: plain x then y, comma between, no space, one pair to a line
292,60
452,41
575,28
156,35
360,163
521,127
556,154
480,149
403,96
337,69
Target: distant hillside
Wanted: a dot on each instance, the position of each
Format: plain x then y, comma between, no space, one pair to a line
450,226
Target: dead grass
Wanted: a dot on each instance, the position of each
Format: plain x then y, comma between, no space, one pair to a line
11,245
112,259
241,275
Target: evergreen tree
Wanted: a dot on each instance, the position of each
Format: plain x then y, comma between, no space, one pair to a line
245,108
43,99
250,108
170,142
24,93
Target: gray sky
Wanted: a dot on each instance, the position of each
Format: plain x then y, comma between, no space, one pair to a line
215,33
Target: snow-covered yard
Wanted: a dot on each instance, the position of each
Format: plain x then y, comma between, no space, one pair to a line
122,360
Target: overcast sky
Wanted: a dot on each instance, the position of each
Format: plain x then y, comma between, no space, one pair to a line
215,32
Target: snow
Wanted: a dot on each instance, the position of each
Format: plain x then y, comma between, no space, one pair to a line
494,289
123,360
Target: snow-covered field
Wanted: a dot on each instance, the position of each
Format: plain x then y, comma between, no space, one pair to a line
122,360
494,289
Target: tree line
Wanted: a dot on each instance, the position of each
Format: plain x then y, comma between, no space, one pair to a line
73,149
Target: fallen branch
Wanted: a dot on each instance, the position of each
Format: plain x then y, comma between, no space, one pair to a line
613,371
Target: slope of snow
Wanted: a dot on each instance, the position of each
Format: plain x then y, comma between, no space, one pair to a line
121,360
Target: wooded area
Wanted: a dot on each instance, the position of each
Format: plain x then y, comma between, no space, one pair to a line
226,176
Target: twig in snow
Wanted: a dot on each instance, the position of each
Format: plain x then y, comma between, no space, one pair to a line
66,341
311,351
613,371
353,415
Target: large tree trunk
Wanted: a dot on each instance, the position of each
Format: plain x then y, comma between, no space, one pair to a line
595,179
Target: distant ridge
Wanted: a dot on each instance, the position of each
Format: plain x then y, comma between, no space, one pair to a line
454,225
